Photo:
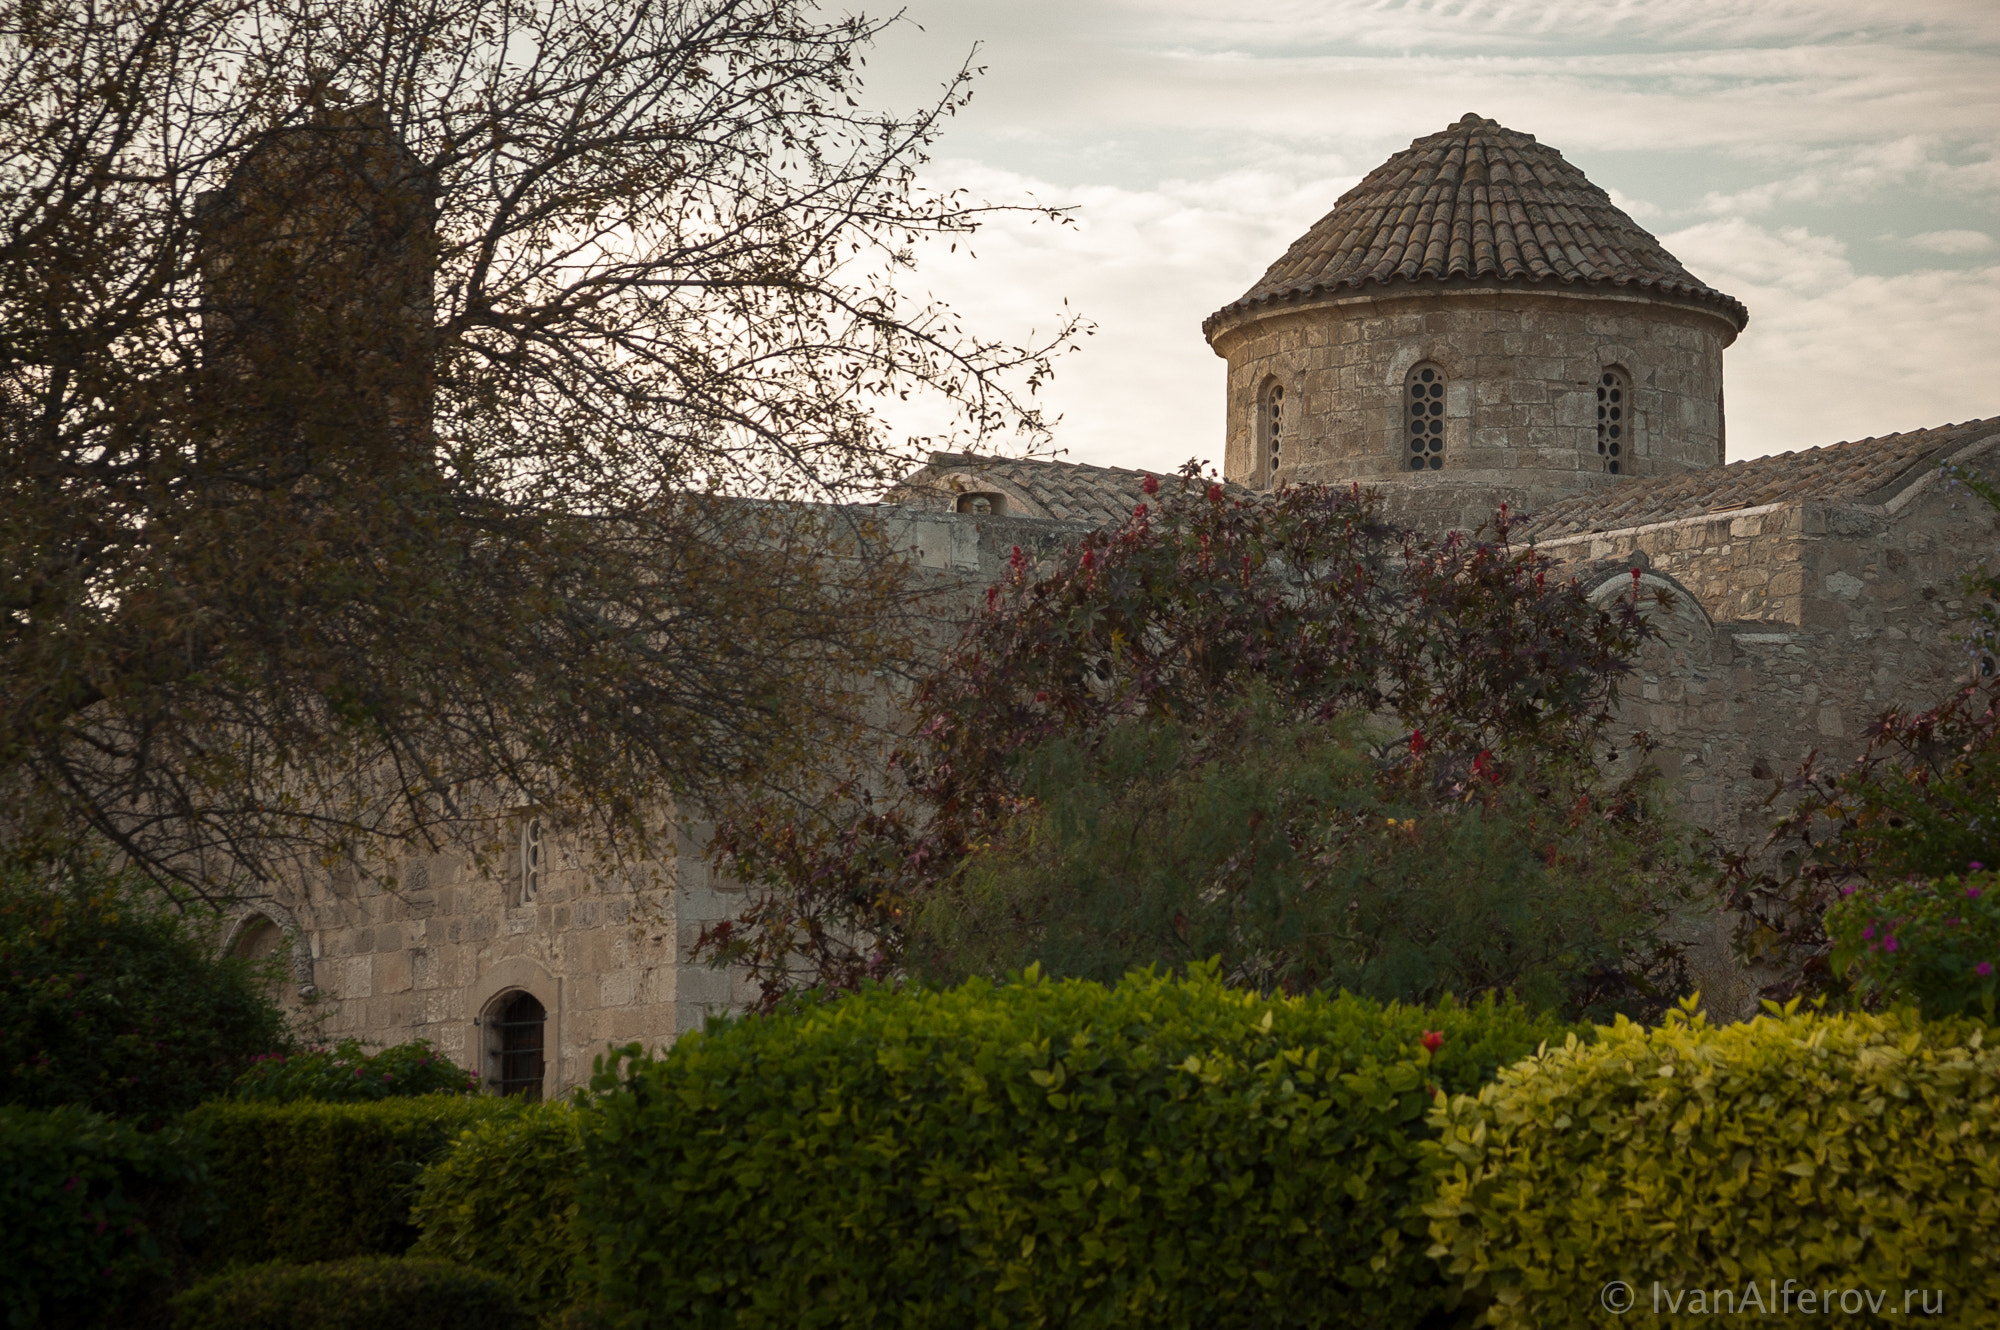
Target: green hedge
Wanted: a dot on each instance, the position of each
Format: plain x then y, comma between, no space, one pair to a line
94,1214
312,1181
504,1199
1840,1153
367,1293
1164,1152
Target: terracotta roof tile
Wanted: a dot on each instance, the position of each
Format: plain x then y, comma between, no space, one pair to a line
1862,470
1477,201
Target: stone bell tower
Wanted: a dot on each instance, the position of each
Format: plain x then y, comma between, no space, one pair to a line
318,262
1475,322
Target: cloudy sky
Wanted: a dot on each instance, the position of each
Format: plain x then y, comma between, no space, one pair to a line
1835,164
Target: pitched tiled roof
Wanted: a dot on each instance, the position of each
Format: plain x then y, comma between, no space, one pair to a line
1863,470
1065,491
1477,201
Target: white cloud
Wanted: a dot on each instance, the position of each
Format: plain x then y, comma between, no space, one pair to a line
1200,140
1833,354
1953,242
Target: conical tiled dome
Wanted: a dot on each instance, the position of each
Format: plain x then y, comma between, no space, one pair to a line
1477,201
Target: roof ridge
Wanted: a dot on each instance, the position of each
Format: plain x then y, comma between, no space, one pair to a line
1854,470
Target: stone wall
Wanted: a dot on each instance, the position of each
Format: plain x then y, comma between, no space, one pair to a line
1522,368
1796,625
428,948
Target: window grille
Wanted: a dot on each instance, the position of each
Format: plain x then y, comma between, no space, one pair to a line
1614,420
1424,428
518,1027
1271,425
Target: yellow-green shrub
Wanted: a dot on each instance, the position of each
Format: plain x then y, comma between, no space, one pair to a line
504,1199
1838,1151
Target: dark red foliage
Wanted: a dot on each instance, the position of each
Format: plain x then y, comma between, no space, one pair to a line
1491,667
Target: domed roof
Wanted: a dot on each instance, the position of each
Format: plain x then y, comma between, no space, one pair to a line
1477,200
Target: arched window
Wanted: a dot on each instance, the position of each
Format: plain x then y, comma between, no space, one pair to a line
1614,419
1423,416
515,1029
1271,429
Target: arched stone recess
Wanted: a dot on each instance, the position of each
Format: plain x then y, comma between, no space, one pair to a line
1680,676
248,931
503,979
1907,488
1013,500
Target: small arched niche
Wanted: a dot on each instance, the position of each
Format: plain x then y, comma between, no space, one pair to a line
983,503
260,939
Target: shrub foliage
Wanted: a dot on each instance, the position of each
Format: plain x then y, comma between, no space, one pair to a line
94,1214
1491,668
347,1074
1932,943
1276,847
363,1293
111,1001
1796,1151
309,1181
504,1199
1165,1152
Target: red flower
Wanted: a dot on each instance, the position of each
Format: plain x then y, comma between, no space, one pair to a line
1433,1040
1215,494
1416,742
1151,485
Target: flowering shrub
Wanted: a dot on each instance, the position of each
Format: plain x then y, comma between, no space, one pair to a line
93,1213
1934,943
1486,664
345,1074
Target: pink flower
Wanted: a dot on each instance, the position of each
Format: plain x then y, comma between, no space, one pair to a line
1972,893
1433,1040
1975,866
1868,932
1848,891
1889,943
71,1184
1983,969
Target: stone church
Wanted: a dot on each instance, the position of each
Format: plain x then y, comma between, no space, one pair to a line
1474,323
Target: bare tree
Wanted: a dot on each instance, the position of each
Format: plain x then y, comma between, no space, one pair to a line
406,409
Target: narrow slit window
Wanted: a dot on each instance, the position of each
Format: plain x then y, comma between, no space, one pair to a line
1271,429
1614,421
1423,419
534,861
